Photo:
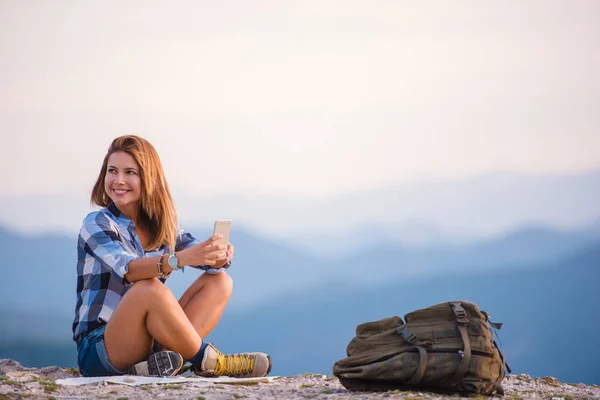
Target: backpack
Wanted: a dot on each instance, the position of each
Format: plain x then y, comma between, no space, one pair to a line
447,347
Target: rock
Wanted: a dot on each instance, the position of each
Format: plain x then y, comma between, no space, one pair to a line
7,365
523,377
54,373
33,385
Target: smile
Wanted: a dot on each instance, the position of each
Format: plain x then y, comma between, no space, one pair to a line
120,192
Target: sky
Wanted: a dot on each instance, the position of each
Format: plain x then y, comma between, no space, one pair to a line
304,99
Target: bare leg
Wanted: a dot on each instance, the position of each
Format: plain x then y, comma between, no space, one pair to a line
148,310
205,300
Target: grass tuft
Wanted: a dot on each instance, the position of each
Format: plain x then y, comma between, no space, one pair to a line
174,387
73,371
549,380
48,385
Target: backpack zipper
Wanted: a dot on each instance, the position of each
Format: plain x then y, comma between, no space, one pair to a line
460,352
474,352
457,351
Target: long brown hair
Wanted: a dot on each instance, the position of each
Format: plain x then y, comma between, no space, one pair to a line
157,207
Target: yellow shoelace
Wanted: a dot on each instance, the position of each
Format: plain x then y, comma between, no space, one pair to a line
233,364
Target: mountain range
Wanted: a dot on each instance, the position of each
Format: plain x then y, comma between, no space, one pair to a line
265,268
303,309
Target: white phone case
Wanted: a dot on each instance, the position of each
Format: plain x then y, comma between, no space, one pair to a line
222,227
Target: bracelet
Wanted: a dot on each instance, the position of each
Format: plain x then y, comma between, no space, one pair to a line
160,271
159,266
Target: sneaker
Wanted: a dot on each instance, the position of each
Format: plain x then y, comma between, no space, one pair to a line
162,363
243,365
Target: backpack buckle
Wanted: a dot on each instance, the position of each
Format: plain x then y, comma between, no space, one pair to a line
407,335
460,313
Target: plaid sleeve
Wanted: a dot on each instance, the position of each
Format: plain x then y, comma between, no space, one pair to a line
102,240
186,240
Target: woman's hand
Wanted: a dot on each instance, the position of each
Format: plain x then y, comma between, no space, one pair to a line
205,253
228,257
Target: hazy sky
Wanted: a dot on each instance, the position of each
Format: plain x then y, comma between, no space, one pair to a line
303,98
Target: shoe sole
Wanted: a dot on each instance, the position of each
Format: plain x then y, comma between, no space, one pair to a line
270,365
165,363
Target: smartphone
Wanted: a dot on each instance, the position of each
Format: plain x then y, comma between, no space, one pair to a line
222,227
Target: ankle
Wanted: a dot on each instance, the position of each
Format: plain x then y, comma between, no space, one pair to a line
196,360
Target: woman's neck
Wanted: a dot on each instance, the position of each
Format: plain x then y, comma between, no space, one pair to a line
133,213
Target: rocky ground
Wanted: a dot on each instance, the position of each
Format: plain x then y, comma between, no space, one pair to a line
18,382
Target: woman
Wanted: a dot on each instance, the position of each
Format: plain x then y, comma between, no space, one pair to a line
126,250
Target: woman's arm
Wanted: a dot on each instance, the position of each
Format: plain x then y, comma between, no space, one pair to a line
185,240
100,238
146,268
206,253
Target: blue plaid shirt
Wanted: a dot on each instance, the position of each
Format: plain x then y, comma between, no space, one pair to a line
107,243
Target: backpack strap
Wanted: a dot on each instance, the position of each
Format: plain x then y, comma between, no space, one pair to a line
495,326
418,344
418,375
462,321
499,389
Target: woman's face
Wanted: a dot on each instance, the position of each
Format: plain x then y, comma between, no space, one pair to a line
122,182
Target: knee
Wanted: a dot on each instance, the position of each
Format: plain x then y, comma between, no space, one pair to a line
223,282
152,288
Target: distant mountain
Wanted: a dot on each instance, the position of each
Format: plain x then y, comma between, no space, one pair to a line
37,339
40,272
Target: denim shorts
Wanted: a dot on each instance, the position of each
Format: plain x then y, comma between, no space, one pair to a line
92,357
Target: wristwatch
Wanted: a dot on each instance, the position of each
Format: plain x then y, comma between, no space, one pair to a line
174,261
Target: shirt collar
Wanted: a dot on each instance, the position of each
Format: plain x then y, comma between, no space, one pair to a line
119,215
